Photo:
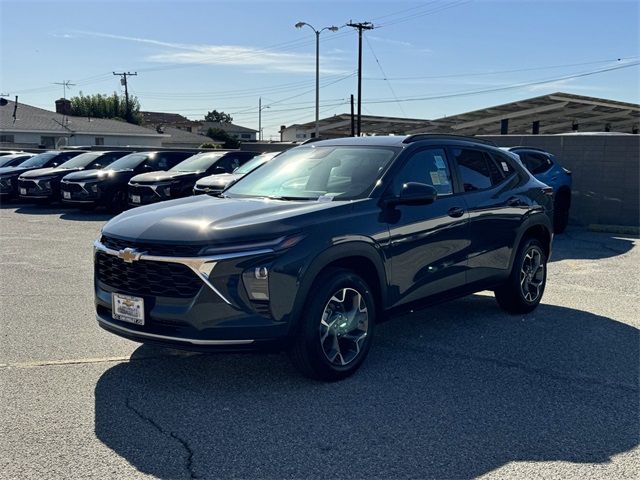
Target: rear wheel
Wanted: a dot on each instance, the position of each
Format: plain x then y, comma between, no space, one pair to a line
561,207
337,327
522,292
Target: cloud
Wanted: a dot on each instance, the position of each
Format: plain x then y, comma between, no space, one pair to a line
234,55
390,41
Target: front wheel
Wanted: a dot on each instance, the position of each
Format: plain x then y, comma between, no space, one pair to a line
337,326
522,292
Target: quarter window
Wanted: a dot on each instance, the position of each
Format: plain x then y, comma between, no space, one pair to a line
477,169
535,162
427,166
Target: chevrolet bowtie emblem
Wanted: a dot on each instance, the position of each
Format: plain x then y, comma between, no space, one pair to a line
129,255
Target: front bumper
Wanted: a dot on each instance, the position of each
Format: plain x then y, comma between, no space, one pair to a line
212,310
78,193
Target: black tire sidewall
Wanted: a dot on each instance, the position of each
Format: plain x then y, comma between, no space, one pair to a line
323,288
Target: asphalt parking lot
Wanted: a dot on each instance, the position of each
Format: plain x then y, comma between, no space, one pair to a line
455,391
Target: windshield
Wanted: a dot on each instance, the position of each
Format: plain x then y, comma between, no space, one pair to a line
129,162
198,162
254,163
39,160
308,173
5,159
81,160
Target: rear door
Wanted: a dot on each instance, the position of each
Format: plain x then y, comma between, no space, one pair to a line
428,243
497,205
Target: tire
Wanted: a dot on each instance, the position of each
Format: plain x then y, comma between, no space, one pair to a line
116,203
334,296
561,211
519,294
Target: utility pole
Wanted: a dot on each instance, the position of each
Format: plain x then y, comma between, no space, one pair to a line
360,27
353,125
65,84
123,81
260,108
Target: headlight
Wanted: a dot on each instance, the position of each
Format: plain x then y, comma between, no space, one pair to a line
167,191
93,187
277,244
46,185
7,182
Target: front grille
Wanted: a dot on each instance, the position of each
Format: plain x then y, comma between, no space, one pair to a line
146,194
32,187
163,250
147,278
72,187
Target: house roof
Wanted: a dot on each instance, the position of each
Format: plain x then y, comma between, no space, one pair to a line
162,118
33,119
179,136
228,127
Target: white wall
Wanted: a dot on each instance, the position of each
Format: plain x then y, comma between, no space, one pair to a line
295,134
33,139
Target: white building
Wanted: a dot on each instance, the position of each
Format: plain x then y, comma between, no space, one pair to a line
24,126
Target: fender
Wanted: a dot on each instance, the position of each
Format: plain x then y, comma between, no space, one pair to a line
534,219
360,247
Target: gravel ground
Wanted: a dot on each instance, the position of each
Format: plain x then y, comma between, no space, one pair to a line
460,390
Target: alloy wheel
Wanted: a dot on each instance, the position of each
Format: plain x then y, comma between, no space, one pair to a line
344,326
532,275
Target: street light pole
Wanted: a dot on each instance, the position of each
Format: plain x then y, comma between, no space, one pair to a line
317,32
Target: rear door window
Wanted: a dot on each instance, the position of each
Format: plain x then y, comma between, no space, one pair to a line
477,169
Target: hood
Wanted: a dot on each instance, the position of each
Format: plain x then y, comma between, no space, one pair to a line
48,172
220,180
161,176
15,171
206,219
92,175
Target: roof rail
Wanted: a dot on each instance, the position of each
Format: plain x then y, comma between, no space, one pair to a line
528,148
311,140
427,136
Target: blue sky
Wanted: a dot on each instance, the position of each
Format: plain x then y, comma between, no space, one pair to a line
192,57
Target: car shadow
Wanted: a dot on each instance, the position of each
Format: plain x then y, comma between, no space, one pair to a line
580,243
454,391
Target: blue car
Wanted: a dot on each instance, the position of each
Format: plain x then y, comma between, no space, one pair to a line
546,168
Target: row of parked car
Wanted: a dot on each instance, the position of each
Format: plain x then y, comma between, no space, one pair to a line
121,179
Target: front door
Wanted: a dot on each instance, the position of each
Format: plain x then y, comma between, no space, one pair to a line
427,243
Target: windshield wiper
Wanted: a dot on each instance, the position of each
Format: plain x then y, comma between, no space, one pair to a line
277,197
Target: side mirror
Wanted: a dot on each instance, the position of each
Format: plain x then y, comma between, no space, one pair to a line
414,193
218,170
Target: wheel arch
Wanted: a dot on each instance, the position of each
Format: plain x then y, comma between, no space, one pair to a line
538,227
361,257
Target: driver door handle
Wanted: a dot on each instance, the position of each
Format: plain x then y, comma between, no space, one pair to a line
514,202
456,212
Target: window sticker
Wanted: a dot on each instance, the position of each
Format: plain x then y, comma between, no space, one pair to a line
439,162
444,179
327,197
505,167
435,178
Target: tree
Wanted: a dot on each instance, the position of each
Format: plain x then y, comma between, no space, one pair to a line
210,145
218,117
106,106
222,136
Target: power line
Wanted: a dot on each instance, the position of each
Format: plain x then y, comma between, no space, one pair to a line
507,87
384,75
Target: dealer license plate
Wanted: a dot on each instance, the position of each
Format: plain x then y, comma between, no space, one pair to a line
128,309
66,194
23,191
135,198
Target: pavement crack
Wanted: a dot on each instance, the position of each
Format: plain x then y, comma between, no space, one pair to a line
185,445
548,372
